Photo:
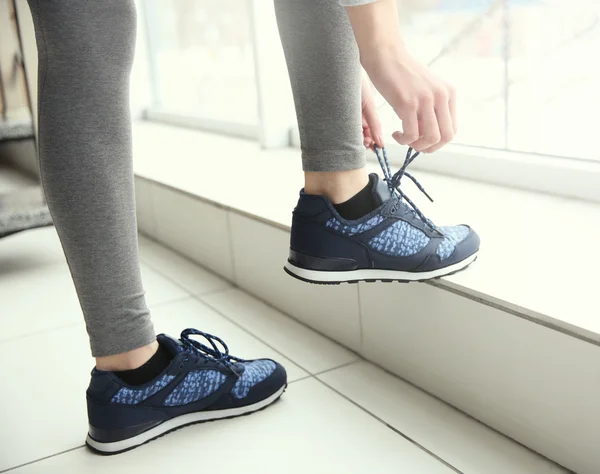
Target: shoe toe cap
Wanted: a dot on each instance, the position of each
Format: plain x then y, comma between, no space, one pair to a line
464,249
269,386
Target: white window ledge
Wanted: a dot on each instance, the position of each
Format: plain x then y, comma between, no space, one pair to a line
539,255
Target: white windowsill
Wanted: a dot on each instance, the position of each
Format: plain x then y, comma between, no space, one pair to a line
539,253
554,175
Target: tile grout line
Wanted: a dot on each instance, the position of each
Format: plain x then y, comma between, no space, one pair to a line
306,377
213,292
42,331
43,459
395,430
338,367
314,376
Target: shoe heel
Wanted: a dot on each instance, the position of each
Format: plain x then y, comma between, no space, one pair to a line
324,264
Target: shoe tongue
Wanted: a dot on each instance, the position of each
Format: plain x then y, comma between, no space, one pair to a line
379,188
169,343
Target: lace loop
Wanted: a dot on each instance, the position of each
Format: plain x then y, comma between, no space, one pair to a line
210,353
394,181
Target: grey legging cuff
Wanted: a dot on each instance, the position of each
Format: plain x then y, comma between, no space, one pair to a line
325,74
85,51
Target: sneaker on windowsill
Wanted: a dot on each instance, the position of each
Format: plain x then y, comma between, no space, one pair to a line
200,384
395,242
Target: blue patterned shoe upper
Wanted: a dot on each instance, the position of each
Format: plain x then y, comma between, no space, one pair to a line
452,237
254,373
131,396
200,384
195,386
400,240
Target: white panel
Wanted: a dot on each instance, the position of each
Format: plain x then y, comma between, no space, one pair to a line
184,272
144,207
194,228
536,385
463,442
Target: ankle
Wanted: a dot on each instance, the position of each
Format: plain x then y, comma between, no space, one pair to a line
337,186
127,360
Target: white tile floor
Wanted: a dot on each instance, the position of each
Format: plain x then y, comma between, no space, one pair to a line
339,414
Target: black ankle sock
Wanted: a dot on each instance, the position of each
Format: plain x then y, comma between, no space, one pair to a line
358,205
155,365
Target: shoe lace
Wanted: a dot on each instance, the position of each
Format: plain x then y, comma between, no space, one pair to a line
212,353
393,182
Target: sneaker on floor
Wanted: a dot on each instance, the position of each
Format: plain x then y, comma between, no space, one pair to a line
200,384
393,242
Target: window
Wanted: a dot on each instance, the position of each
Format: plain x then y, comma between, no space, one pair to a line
202,58
524,70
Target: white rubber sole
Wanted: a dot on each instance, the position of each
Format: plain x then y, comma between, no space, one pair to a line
180,421
314,276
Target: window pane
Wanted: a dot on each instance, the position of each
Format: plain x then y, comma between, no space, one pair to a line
554,75
524,69
463,42
202,58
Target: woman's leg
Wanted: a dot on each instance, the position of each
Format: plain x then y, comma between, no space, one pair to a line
325,73
85,55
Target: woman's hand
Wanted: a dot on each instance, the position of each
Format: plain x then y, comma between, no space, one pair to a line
372,131
425,104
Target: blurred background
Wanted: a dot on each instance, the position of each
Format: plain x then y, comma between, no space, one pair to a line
523,68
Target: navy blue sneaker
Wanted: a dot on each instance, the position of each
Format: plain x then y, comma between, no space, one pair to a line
200,384
395,242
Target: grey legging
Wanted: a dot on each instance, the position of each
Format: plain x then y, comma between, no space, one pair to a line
85,53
